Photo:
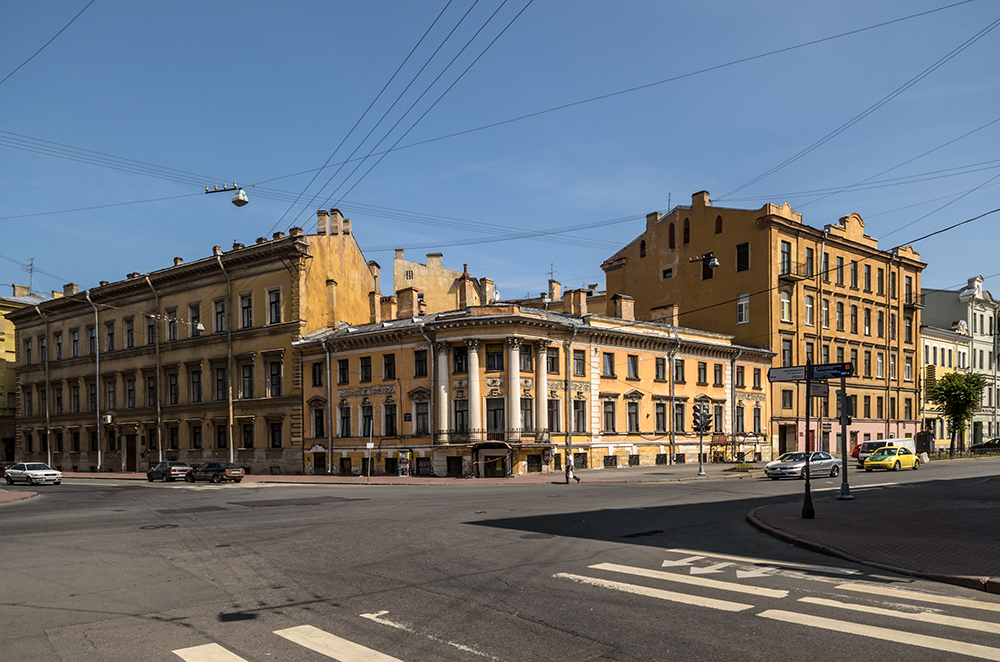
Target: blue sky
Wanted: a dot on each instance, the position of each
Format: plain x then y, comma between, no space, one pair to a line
254,91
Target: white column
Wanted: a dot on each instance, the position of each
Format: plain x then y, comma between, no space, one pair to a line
442,392
514,384
541,389
476,426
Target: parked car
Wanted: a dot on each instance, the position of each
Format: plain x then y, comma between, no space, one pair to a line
892,457
991,446
32,473
168,471
869,447
215,472
4,466
793,465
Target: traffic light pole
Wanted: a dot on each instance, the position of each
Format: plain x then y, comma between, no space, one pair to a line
808,512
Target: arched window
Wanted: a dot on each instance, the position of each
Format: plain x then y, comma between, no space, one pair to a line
687,231
670,237
642,248
718,225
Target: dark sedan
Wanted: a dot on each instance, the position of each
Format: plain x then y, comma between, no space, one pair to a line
215,472
168,471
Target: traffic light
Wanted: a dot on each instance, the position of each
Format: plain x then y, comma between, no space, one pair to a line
706,418
696,418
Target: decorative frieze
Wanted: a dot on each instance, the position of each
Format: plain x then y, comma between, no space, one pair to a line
366,391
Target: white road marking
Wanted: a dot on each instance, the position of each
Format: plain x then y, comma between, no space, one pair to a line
379,617
207,653
660,594
783,564
761,572
886,634
923,616
886,591
333,646
688,561
695,581
717,567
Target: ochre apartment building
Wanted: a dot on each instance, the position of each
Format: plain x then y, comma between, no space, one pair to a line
825,295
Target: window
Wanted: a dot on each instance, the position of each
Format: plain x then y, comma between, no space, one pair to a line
633,366
892,284
840,271
738,423
679,371
175,438
908,329
608,366
129,395
868,406
172,325
868,278
854,358
553,415
880,323
854,274
420,362
879,411
840,316
868,364
661,369
345,421
756,378
892,365
579,416
632,416
59,398
525,358
740,383
579,363
786,257
390,428
409,274
27,352
527,414
879,365
150,392
220,384
868,321
671,239
58,346
742,257
421,418
460,359
810,358
786,306
718,225
343,372
786,353
608,420
742,308
246,311
366,369
246,381
173,389
880,281
151,330
661,417
220,316
274,306
221,437
196,386
319,422
854,319
678,417
718,374
758,425
824,354
275,435
367,421
707,272
667,273
702,373
826,267
552,360
826,313
92,333
892,326
274,379
810,321
109,337
75,344
461,415
687,231
494,356
389,366
194,319
810,257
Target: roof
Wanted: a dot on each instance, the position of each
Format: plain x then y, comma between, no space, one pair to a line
29,300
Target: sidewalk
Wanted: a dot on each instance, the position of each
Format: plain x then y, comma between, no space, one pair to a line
945,531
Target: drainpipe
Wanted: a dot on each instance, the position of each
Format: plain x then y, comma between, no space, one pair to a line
430,414
673,431
45,360
329,400
229,359
97,379
159,381
569,397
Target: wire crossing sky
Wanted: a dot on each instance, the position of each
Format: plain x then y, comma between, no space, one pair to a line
565,122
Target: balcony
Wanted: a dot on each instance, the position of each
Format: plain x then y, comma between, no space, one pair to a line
913,301
792,271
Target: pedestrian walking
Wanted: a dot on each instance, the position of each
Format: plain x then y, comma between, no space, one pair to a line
569,472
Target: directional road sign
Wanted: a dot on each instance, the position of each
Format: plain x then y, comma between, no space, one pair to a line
789,374
832,370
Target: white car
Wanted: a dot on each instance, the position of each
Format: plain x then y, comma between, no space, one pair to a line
32,473
793,465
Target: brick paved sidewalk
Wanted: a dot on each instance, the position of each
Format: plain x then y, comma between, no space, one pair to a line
947,531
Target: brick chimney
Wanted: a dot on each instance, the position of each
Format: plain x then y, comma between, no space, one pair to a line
216,250
322,222
435,261
555,290
388,306
336,222
374,267
69,289
466,288
374,307
652,218
488,290
21,291
278,235
407,307
575,302
664,314
700,200
295,232
624,306
178,261
346,227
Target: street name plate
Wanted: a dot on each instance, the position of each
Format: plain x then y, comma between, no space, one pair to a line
819,389
789,374
832,370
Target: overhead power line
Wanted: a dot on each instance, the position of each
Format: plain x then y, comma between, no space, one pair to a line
46,43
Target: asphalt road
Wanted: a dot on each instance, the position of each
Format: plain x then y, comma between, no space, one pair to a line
108,570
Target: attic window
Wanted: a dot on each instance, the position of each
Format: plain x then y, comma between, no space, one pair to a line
642,248
409,275
668,273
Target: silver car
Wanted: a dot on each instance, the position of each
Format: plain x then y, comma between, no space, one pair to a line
32,473
793,465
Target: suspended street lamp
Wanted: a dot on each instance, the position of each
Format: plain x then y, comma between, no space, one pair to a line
239,197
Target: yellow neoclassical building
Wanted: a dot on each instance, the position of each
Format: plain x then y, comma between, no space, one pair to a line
825,295
190,362
503,389
20,298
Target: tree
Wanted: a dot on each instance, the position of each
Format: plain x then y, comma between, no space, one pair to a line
959,396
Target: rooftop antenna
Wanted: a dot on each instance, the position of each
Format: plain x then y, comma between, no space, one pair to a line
31,274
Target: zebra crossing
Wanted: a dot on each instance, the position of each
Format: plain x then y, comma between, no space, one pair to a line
307,636
910,610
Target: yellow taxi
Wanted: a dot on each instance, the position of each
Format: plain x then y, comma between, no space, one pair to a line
892,457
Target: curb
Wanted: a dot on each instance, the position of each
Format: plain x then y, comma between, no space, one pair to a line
987,584
11,497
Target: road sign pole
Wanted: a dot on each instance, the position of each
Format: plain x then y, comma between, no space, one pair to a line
701,434
845,488
807,505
